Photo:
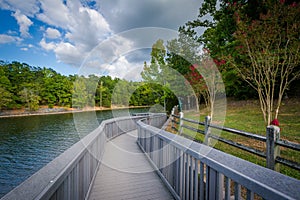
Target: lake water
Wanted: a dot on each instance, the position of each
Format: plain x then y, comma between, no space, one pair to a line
29,143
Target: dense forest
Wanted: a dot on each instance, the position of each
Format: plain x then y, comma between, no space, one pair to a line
22,86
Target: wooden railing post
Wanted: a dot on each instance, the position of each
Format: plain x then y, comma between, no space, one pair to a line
181,115
273,150
172,118
206,130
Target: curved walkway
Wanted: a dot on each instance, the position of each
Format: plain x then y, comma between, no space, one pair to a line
125,173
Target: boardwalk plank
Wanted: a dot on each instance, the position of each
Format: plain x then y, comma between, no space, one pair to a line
125,173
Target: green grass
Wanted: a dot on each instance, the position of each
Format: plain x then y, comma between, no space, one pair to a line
247,116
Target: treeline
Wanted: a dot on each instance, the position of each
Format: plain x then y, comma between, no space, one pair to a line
22,86
249,50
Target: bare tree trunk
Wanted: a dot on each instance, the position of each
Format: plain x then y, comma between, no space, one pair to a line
197,103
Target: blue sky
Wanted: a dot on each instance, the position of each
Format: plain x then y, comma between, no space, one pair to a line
62,34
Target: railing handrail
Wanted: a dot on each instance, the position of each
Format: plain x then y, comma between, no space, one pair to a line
283,143
265,182
40,183
45,182
258,152
227,129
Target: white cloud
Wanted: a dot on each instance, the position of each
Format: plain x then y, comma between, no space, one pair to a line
84,28
124,15
123,69
24,23
28,7
111,49
81,28
69,54
65,52
27,47
8,39
47,46
52,33
54,13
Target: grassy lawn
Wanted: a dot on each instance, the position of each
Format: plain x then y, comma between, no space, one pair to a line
247,116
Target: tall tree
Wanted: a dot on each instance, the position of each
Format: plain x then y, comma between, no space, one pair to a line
29,96
272,46
5,86
157,71
80,95
5,98
182,55
218,19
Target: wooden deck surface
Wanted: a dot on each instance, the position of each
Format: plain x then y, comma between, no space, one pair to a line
125,173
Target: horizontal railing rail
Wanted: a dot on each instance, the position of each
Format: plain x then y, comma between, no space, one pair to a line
195,171
70,175
274,143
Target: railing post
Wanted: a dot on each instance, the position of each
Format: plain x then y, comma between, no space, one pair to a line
172,118
206,130
273,150
181,115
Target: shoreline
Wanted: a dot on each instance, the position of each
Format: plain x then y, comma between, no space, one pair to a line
59,110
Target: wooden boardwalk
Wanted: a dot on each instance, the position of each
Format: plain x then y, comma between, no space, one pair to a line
125,173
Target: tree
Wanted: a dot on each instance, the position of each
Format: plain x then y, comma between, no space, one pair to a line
5,85
80,96
218,19
272,46
182,54
5,97
157,72
30,98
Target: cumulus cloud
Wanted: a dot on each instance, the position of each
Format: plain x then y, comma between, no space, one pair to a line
124,15
28,7
55,13
81,27
8,39
52,33
88,29
120,68
47,46
124,69
69,54
24,23
84,28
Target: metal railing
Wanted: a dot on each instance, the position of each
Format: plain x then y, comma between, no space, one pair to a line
195,171
70,175
272,140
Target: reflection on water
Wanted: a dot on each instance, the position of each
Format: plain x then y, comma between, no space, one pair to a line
28,143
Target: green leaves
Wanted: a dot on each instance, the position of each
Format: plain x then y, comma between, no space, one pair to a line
31,99
5,97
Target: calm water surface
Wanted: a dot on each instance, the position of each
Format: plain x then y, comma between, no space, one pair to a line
28,143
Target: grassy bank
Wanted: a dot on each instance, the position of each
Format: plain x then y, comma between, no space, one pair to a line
246,116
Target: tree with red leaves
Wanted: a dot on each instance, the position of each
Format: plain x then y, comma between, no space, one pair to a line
271,45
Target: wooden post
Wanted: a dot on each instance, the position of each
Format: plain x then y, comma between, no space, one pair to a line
273,150
172,118
180,122
206,130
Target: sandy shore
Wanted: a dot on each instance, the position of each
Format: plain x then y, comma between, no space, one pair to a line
57,110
